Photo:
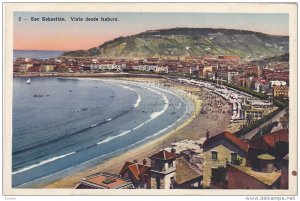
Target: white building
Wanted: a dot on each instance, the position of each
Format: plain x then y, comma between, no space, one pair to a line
277,83
161,69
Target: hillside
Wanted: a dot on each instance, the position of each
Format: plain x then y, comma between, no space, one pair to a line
281,58
190,42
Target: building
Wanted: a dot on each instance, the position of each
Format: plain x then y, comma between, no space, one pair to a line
104,180
16,68
35,68
139,174
251,70
277,83
275,144
48,68
253,114
260,85
24,67
243,177
284,165
161,69
204,71
228,58
261,163
266,166
163,170
281,91
186,176
227,75
220,150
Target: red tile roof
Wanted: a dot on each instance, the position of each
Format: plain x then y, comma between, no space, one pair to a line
231,138
269,140
136,169
163,155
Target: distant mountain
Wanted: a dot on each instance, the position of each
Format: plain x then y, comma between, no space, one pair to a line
190,42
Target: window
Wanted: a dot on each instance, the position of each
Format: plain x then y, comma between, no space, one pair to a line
172,182
170,164
233,158
214,155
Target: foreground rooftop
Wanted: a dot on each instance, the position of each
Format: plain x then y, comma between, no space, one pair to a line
104,180
266,178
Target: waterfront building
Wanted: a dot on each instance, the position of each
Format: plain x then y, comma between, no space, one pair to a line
161,69
205,70
36,67
24,66
227,75
47,68
16,68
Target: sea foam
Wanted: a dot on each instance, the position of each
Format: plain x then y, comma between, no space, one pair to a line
42,163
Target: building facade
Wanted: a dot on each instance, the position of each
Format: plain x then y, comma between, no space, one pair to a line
281,91
220,150
163,170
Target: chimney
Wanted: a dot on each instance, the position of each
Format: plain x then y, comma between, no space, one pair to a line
144,162
173,150
207,135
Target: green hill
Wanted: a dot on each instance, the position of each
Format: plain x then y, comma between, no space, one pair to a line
190,42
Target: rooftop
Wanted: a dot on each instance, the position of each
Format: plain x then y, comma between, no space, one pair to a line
136,169
230,137
104,180
163,155
269,140
266,178
184,172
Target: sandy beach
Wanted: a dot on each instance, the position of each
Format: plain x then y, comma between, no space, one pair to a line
214,120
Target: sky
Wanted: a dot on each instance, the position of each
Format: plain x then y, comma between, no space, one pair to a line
71,35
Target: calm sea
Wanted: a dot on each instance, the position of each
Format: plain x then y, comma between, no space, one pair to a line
38,54
61,124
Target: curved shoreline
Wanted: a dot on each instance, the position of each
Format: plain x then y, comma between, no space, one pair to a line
115,163
139,142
